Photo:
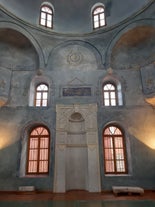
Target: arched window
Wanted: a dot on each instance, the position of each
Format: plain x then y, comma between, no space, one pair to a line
41,95
38,151
98,17
110,97
114,150
46,16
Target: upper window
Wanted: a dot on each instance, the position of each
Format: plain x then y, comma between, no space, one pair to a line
46,16
41,96
110,95
98,17
38,151
114,150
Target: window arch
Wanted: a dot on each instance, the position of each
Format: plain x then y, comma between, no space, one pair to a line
98,16
46,16
38,151
112,94
115,160
41,95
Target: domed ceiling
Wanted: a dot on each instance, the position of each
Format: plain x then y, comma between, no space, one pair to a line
72,16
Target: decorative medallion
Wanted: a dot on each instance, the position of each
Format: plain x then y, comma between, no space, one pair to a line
74,57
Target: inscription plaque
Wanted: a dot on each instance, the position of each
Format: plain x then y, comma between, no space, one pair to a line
80,91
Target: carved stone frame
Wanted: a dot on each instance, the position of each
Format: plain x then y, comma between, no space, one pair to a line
89,114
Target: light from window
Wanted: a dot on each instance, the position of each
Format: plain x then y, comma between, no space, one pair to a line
38,151
114,151
41,97
98,17
109,95
46,16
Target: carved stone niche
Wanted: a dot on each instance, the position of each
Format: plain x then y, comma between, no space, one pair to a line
76,152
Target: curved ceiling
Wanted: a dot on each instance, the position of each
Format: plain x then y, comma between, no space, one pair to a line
134,49
72,16
16,51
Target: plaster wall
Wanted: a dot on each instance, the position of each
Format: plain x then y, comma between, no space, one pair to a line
74,62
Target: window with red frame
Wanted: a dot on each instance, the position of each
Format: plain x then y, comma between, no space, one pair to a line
114,150
38,151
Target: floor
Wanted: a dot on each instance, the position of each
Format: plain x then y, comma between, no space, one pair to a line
72,196
75,199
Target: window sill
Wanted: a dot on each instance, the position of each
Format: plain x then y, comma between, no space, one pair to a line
117,175
35,176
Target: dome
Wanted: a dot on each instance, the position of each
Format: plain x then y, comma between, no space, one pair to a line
74,16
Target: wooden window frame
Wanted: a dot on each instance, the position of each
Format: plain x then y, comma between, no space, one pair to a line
113,149
38,150
46,16
109,94
99,17
42,92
